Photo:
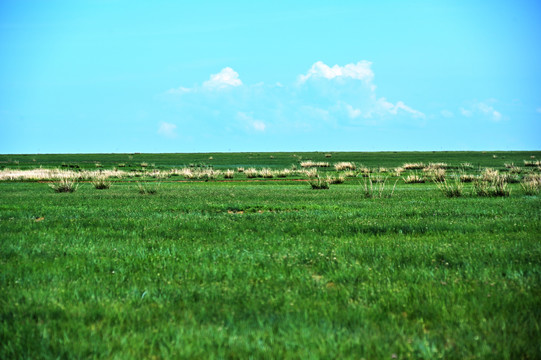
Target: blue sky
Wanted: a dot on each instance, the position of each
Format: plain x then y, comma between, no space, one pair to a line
203,76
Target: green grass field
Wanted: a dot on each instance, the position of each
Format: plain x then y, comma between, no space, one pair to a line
259,268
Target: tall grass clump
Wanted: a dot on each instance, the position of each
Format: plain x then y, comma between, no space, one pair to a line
531,185
433,166
65,185
376,187
532,163
251,173
319,184
451,188
495,187
467,178
266,173
309,173
338,179
413,179
490,175
344,165
413,166
101,183
398,171
148,188
284,173
229,174
435,174
310,164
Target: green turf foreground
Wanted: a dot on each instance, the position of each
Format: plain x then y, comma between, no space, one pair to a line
267,270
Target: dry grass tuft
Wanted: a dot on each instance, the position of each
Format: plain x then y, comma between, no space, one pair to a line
311,164
266,173
309,173
398,171
65,185
435,166
413,166
531,184
338,179
495,187
319,183
435,174
375,187
467,178
490,174
101,183
284,173
251,173
532,163
344,165
413,179
451,188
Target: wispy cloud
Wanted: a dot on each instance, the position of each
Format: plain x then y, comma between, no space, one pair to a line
447,113
250,122
489,111
167,130
483,108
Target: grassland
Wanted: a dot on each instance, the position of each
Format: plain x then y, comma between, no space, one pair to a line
212,268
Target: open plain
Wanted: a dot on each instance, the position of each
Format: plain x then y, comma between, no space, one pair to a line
418,255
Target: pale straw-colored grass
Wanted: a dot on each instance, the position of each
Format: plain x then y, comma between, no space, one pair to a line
413,166
57,174
311,164
344,165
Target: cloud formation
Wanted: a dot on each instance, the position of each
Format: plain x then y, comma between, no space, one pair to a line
324,96
224,79
358,71
485,109
251,123
167,130
447,113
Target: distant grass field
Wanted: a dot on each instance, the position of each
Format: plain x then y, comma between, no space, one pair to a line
270,159
270,269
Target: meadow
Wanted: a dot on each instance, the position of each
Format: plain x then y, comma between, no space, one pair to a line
420,255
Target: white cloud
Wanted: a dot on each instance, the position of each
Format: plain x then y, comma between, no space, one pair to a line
250,122
358,71
447,113
394,109
324,96
179,91
168,130
354,95
259,125
483,108
224,79
489,110
352,112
